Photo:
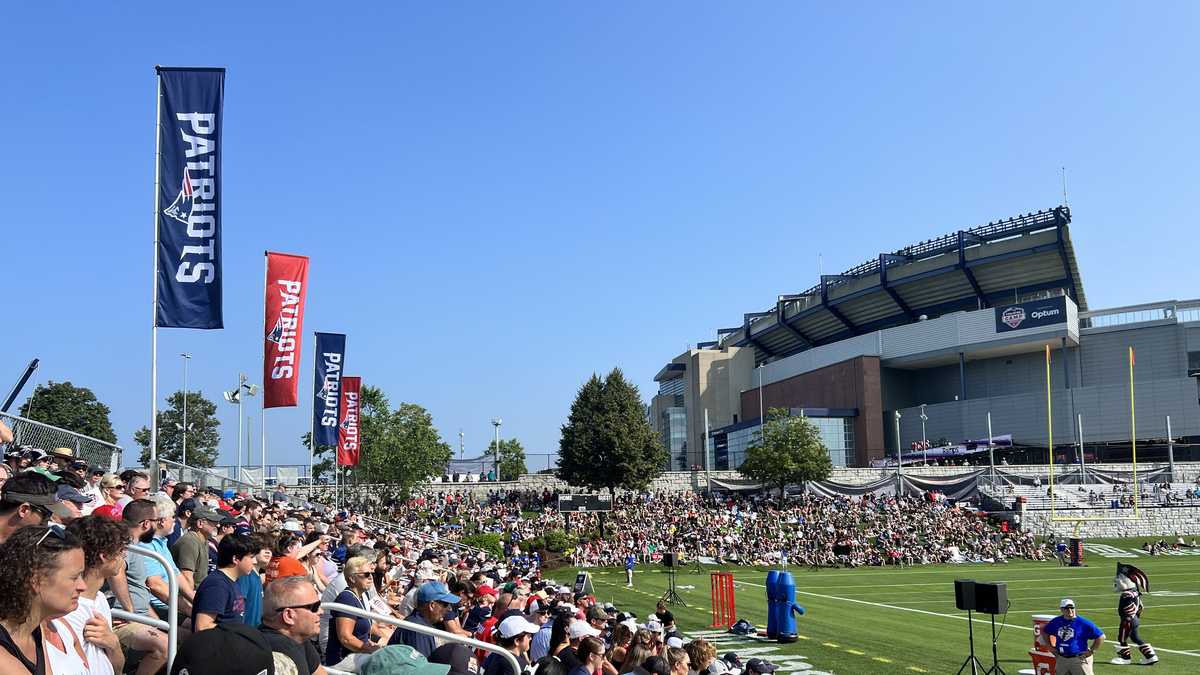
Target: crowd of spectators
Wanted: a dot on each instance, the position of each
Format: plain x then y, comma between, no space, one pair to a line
253,573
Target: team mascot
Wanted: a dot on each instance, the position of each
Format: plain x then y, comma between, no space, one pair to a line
1129,582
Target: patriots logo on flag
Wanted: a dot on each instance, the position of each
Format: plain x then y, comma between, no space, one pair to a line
181,208
276,333
345,425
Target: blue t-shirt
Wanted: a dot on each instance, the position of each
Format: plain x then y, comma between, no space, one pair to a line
334,652
251,588
219,595
419,641
1073,635
630,561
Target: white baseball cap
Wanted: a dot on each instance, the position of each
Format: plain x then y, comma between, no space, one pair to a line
515,625
580,629
1066,602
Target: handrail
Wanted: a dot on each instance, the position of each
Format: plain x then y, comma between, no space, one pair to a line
412,531
172,601
419,628
138,618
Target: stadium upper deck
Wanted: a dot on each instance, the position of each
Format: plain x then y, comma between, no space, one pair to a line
1001,262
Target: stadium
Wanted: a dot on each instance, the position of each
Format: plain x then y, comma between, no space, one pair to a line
942,347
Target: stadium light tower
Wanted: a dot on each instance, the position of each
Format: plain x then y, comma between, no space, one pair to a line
186,357
924,443
899,455
235,397
496,422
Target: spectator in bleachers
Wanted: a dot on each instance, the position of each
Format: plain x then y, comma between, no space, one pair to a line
350,634
156,574
28,499
73,499
134,592
92,488
43,576
112,488
251,585
228,649
292,619
104,542
336,585
515,634
191,550
285,562
137,486
434,600
183,514
218,599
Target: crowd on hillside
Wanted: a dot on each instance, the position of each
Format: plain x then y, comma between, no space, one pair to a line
731,529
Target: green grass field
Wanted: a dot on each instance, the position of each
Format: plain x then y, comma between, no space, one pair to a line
904,621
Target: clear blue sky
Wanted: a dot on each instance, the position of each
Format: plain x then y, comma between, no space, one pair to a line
501,198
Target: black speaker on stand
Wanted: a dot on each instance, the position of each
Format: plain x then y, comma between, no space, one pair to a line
992,599
964,598
671,560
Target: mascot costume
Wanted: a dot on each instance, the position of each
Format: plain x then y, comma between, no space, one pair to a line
1130,582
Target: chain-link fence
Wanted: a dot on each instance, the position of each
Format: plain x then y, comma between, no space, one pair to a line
204,478
30,434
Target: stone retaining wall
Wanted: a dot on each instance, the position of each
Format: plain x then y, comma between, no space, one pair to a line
1151,522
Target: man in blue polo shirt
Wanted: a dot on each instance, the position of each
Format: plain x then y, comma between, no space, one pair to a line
1072,653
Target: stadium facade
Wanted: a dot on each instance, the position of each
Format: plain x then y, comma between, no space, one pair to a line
957,328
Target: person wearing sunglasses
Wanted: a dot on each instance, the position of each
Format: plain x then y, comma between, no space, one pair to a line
291,619
28,499
42,580
350,634
434,601
112,488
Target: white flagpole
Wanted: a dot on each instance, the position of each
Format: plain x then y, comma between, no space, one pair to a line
263,422
154,285
312,425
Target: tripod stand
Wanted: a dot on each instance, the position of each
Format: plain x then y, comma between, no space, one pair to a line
972,660
671,597
995,669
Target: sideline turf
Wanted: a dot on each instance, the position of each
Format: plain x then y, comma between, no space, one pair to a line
844,634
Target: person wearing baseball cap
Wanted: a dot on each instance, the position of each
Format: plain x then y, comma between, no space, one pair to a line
1073,654
28,499
73,499
760,666
515,635
434,601
227,649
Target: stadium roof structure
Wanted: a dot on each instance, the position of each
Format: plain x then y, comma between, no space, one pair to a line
1000,262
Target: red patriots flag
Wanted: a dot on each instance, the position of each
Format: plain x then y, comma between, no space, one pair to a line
348,445
287,283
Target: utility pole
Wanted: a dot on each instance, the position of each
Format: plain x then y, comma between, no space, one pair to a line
496,422
186,357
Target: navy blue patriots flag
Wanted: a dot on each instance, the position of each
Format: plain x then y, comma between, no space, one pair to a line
327,387
188,284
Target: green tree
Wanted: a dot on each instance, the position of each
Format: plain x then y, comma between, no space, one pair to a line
322,459
63,405
512,458
400,446
607,443
788,451
203,437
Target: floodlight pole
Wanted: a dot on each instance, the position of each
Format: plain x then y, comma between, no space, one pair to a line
991,450
1082,461
899,457
1170,449
707,477
496,422
924,442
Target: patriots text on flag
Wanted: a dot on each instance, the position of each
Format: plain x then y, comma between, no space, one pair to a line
283,367
197,261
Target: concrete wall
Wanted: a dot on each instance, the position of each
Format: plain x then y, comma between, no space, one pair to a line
1151,522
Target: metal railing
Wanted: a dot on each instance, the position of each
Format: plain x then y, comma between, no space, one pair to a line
416,628
1179,311
33,434
201,478
170,627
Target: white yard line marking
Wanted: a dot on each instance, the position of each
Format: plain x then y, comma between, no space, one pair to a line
924,611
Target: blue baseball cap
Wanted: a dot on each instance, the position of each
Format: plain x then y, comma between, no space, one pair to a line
435,591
